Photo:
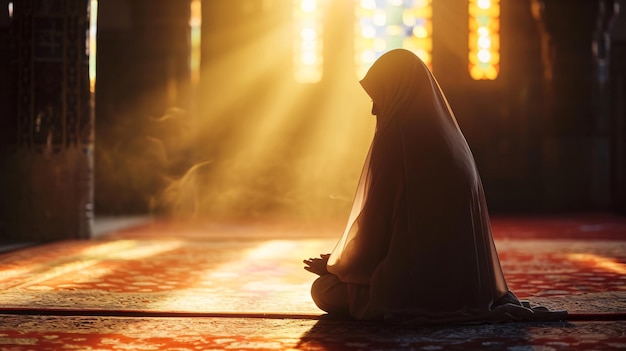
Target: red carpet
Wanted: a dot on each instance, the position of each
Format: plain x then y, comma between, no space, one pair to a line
254,270
178,334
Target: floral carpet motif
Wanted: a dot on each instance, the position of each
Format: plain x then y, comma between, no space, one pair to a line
161,275
243,288
262,276
45,333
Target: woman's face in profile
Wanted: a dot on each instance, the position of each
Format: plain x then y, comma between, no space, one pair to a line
374,109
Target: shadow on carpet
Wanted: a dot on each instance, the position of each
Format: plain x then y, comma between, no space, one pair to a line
242,287
180,334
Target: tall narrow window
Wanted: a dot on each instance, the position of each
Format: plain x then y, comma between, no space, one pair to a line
484,39
382,25
91,43
195,25
307,43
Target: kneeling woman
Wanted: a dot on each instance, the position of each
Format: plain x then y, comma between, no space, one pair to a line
418,244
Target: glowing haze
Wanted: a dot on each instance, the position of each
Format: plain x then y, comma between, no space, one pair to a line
261,143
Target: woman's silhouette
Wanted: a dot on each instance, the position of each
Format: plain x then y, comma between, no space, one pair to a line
418,245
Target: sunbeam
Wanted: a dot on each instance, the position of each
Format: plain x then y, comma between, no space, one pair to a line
267,144
599,261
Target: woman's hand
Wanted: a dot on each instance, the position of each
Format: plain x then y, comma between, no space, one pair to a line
317,265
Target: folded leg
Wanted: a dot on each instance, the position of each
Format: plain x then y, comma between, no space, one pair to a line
330,295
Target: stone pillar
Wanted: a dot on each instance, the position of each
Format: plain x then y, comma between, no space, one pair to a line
575,145
5,83
617,84
162,36
48,163
607,11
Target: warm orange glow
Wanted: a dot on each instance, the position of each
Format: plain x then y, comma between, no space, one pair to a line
258,269
484,39
600,262
262,143
307,41
380,27
11,273
93,255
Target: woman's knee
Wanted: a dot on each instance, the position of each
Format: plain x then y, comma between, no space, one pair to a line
330,294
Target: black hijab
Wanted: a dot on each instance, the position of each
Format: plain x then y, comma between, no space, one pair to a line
418,237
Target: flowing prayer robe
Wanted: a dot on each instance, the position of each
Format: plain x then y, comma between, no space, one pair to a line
418,244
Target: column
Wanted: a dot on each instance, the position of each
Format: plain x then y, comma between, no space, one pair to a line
48,161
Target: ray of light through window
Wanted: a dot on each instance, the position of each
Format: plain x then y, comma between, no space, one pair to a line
382,25
484,39
604,263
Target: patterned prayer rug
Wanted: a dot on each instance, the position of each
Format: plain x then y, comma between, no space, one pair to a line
242,287
247,274
52,333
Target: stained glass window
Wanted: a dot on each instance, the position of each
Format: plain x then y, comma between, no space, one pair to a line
484,39
382,25
195,25
91,43
308,45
